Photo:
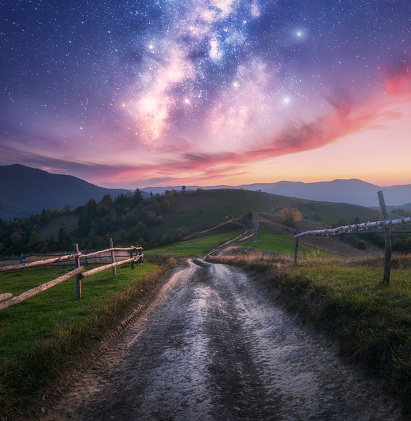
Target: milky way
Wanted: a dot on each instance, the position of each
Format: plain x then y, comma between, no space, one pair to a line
140,90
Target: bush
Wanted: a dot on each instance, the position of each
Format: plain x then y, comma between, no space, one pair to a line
291,216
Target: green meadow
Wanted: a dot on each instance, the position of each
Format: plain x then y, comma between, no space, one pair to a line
42,336
196,247
278,243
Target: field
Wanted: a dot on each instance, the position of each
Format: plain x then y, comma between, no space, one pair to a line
329,213
278,243
40,336
195,247
195,211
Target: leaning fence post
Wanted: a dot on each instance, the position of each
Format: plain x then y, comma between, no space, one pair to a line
113,258
296,246
387,232
78,277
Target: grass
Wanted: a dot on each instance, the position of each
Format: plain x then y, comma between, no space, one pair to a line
347,299
330,213
195,247
278,243
42,336
195,212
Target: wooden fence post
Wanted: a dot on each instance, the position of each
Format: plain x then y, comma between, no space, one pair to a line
131,256
296,246
78,276
387,232
113,258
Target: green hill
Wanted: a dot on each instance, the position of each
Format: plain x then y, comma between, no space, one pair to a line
160,219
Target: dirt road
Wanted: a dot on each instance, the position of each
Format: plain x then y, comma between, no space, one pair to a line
213,346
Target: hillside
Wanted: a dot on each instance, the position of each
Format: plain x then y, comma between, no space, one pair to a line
160,220
26,191
352,191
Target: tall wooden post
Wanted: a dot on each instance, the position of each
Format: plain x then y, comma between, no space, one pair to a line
387,232
296,246
113,258
131,256
78,277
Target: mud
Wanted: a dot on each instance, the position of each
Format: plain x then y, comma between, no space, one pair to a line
212,346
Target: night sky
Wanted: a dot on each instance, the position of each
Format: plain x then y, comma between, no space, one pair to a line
144,93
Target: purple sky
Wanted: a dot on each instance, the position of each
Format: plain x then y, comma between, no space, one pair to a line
146,93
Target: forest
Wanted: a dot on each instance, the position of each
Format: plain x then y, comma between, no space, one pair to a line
126,218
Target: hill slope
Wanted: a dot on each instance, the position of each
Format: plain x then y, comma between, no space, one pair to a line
356,192
26,191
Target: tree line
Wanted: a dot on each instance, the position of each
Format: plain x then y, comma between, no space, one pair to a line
128,219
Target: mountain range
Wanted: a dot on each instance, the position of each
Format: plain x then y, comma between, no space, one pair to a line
353,191
25,191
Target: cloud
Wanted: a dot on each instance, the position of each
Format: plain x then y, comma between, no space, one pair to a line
186,161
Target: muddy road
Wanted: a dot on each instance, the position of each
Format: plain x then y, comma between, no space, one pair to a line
213,346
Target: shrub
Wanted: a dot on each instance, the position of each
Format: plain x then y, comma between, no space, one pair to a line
291,216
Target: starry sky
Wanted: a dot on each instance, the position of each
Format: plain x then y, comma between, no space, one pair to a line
143,93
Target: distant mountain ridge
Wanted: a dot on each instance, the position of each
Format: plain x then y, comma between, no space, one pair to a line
353,191
26,191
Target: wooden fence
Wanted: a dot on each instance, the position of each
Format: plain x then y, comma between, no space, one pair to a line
135,254
364,228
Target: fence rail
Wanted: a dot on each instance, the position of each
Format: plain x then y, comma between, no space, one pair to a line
7,299
357,228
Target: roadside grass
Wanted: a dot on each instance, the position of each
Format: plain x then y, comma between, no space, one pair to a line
196,247
279,243
44,335
346,298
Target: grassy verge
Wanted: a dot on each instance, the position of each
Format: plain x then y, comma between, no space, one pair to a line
278,243
44,335
195,247
348,300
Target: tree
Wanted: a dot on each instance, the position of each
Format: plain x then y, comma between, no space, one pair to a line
291,216
107,201
45,217
35,241
166,240
165,206
67,209
138,197
183,188
155,206
62,233
16,240
141,229
179,235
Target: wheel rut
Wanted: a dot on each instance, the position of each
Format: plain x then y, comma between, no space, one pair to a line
213,346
